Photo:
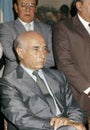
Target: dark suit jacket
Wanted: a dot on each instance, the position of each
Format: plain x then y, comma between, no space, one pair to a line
24,104
71,44
9,31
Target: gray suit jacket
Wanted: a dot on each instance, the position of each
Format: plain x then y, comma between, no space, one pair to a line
24,104
9,31
71,44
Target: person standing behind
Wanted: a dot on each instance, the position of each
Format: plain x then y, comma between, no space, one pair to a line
64,11
71,44
26,10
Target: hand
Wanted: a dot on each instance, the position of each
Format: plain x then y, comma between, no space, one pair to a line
89,94
57,122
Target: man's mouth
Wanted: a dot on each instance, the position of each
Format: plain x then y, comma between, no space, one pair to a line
27,14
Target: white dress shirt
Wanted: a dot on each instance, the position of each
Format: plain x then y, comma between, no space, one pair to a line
31,24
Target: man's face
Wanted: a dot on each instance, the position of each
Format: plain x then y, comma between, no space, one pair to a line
84,9
34,55
26,10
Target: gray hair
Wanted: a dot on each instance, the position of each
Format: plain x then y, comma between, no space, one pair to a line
18,43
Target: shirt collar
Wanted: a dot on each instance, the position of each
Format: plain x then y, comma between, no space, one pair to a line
30,71
85,23
32,23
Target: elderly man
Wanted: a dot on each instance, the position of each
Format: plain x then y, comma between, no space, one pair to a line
33,97
26,10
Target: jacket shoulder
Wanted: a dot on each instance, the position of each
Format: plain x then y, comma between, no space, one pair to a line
44,25
57,74
64,23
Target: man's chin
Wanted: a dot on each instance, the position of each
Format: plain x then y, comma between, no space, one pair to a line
40,66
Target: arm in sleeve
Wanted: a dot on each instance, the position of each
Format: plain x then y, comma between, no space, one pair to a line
6,39
17,112
73,110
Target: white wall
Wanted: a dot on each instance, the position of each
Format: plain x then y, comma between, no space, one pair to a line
54,3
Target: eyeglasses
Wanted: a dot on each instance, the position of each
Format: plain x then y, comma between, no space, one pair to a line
24,5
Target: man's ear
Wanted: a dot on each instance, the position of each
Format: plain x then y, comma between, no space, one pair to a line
16,8
79,5
19,52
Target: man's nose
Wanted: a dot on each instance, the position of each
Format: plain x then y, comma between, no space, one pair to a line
28,7
42,54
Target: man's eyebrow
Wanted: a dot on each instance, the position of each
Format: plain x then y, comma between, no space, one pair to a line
36,46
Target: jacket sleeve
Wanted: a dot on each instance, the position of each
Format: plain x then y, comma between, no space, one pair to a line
16,111
73,111
7,39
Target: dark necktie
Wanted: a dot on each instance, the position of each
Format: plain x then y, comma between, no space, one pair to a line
45,91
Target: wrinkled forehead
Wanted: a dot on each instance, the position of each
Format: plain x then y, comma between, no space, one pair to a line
36,43
34,40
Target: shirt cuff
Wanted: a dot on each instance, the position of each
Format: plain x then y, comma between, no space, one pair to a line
87,90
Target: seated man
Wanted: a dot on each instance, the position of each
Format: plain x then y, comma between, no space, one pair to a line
28,91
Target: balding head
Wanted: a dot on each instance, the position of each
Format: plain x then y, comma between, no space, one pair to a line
31,49
26,38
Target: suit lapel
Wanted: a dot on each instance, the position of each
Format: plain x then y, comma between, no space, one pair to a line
82,31
25,79
54,86
19,27
37,27
51,81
